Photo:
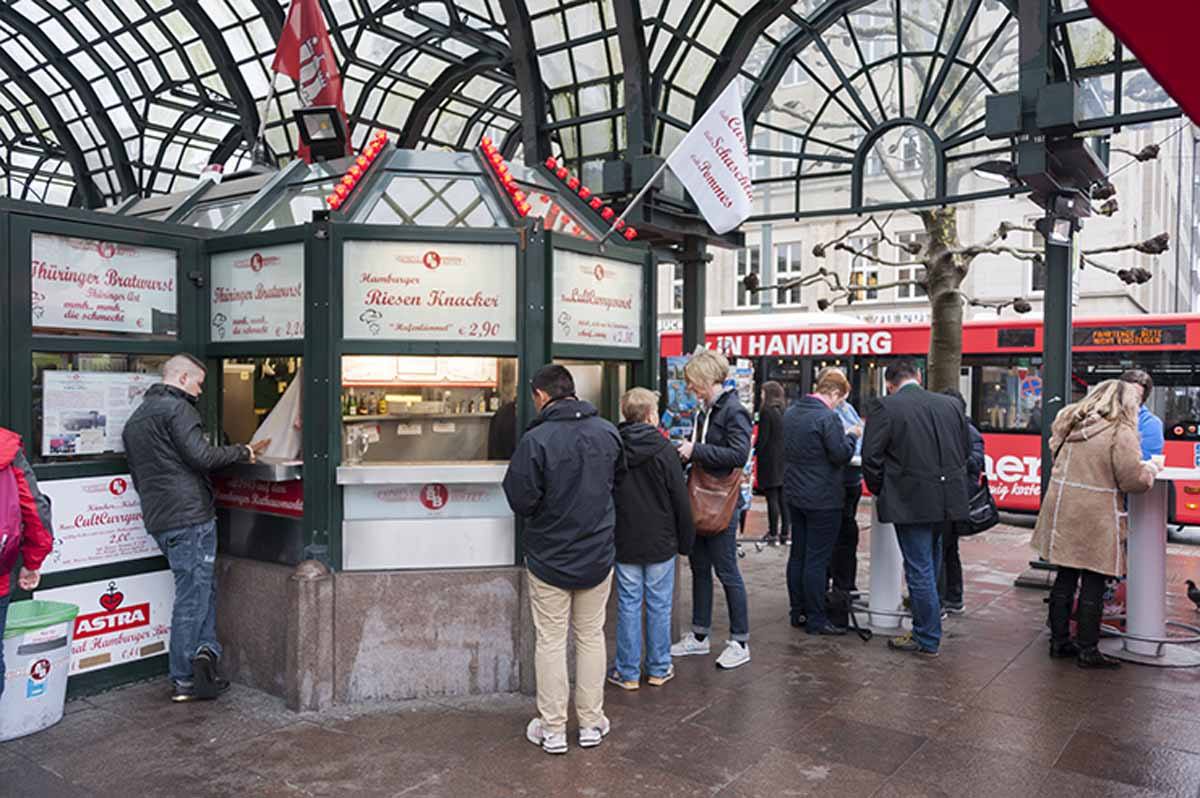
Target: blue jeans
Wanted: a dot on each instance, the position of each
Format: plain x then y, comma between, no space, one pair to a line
192,553
3,621
922,550
813,534
656,583
719,553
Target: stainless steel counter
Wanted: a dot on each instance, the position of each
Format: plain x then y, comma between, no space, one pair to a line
448,472
267,469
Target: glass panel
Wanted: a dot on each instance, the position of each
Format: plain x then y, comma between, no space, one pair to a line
81,402
296,206
417,409
432,202
212,215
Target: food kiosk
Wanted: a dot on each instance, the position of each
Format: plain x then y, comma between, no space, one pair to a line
386,340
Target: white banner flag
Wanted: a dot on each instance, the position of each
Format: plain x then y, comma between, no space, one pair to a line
713,163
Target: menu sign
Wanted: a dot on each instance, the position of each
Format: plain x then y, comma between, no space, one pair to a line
399,290
258,295
101,286
120,620
597,301
85,411
1125,335
97,521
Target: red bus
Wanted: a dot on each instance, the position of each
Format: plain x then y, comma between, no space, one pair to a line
1001,378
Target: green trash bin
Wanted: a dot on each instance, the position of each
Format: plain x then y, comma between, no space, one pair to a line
37,660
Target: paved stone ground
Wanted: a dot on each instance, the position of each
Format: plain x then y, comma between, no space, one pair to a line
993,716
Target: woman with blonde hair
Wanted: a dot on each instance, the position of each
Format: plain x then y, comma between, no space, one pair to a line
1082,523
720,444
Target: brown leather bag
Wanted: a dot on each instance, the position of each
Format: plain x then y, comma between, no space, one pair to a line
713,498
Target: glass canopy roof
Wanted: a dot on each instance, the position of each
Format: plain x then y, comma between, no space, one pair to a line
853,102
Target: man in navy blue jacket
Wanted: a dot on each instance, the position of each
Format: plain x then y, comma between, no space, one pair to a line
561,482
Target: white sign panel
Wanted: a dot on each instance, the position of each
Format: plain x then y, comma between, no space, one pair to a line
120,620
258,295
397,290
430,500
597,301
97,520
101,286
85,411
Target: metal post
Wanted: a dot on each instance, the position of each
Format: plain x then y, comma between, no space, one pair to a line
1056,337
694,257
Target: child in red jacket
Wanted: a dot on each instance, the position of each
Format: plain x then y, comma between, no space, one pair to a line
21,529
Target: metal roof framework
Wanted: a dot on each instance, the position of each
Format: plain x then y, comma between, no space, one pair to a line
102,100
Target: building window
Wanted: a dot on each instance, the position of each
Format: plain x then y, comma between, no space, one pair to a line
795,74
863,271
1037,269
912,272
748,260
759,166
787,267
677,287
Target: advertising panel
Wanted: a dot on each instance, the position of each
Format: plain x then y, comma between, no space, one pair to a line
597,301
258,295
97,521
85,411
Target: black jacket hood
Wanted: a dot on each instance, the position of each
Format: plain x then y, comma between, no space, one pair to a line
642,442
565,409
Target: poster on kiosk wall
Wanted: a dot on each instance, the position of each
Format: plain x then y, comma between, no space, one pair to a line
84,412
597,301
102,286
120,620
97,521
258,295
401,290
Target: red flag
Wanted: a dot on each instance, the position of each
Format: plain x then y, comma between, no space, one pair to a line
1161,33
305,54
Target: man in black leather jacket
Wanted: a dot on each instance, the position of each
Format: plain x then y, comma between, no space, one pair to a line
170,460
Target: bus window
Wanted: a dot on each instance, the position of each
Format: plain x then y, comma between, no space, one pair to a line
1179,408
1010,398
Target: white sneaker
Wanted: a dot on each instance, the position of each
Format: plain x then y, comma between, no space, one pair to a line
735,655
593,735
688,645
550,742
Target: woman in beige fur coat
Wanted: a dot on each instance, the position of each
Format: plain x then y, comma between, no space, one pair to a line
1082,525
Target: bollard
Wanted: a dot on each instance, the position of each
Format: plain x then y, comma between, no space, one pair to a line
886,577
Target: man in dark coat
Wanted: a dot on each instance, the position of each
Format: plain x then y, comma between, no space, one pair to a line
950,576
560,481
170,460
915,451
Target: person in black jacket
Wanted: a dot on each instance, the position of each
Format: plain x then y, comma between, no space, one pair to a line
720,444
950,576
561,482
915,464
170,460
654,523
817,448
768,451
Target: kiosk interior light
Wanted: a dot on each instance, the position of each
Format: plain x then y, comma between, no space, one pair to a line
357,171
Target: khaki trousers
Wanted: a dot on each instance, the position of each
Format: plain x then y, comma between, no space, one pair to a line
554,610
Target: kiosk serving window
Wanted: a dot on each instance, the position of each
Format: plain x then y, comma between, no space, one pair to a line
401,409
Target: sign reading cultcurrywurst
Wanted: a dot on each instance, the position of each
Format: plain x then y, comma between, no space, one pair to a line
258,295
399,290
597,301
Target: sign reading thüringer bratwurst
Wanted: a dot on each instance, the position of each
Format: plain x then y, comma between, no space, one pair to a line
597,301
97,520
258,295
399,290
84,284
